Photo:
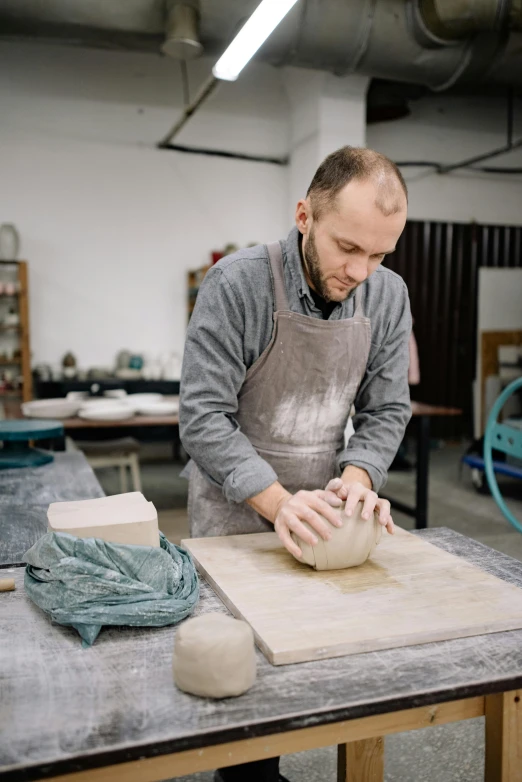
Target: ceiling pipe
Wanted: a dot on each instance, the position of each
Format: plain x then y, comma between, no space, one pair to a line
182,37
458,19
204,92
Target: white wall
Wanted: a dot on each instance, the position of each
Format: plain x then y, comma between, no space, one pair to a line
109,224
447,129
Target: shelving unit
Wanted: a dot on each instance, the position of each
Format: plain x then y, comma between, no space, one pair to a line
16,272
194,280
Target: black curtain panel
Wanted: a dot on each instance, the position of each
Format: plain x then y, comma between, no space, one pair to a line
439,263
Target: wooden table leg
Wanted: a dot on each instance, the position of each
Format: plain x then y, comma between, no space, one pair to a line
361,761
504,737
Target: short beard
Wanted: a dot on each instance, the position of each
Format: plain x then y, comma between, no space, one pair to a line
313,268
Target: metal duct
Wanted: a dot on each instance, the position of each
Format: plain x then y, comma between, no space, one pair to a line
391,39
435,43
457,19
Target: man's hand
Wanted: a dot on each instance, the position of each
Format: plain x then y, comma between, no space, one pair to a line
307,506
355,486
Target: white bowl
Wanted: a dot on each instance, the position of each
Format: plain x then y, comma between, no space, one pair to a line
51,408
77,395
138,400
115,393
109,412
158,408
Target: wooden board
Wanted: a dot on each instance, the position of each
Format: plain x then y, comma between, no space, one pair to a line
410,592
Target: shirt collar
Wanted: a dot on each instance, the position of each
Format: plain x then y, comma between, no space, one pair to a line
295,264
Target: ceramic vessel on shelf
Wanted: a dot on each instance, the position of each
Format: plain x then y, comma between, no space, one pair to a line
12,318
123,359
9,242
128,374
69,365
51,408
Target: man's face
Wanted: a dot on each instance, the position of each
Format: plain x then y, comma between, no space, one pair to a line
349,240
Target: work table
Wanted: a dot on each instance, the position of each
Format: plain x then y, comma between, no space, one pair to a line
67,709
25,495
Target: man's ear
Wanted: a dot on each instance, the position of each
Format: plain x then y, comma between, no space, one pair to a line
303,215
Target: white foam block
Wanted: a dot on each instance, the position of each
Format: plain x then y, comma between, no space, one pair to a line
113,501
134,523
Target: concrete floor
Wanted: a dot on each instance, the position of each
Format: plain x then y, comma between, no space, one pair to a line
450,753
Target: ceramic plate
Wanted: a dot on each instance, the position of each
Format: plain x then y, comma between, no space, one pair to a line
158,408
138,400
109,412
51,408
94,403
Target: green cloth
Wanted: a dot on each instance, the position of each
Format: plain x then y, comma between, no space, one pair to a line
88,583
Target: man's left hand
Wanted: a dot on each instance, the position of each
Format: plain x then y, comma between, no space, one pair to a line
351,490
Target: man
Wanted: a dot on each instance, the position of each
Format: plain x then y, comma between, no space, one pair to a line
283,340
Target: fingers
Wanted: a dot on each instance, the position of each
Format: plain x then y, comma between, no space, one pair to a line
318,524
337,486
390,526
356,492
384,509
287,541
320,502
331,498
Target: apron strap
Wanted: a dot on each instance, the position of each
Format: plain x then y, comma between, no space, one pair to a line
359,311
275,256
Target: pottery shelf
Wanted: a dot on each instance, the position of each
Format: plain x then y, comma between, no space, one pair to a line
194,280
19,271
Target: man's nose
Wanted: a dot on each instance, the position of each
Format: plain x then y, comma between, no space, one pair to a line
357,269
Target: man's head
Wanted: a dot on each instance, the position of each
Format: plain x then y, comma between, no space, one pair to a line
353,214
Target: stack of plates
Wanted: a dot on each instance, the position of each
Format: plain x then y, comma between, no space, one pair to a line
118,408
152,404
102,409
51,408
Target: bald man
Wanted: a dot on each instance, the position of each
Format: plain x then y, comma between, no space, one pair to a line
284,339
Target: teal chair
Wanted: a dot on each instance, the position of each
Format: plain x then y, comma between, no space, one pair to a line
505,438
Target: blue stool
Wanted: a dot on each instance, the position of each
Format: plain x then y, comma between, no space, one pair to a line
16,436
504,438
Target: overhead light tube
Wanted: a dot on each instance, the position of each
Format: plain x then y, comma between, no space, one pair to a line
252,35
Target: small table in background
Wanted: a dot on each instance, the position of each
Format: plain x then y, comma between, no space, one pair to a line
150,428
422,414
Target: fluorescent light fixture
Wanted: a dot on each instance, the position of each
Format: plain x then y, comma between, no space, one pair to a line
252,35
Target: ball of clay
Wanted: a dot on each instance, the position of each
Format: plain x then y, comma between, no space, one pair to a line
214,656
349,546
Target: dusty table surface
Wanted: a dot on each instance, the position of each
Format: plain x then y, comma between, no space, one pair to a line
66,709
25,495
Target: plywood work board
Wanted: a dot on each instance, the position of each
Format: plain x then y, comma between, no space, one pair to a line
410,592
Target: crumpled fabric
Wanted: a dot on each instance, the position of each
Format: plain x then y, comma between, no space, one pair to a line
88,583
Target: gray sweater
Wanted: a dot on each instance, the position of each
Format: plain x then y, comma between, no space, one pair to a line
231,326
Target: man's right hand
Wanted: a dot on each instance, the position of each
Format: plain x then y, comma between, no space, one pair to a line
307,506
